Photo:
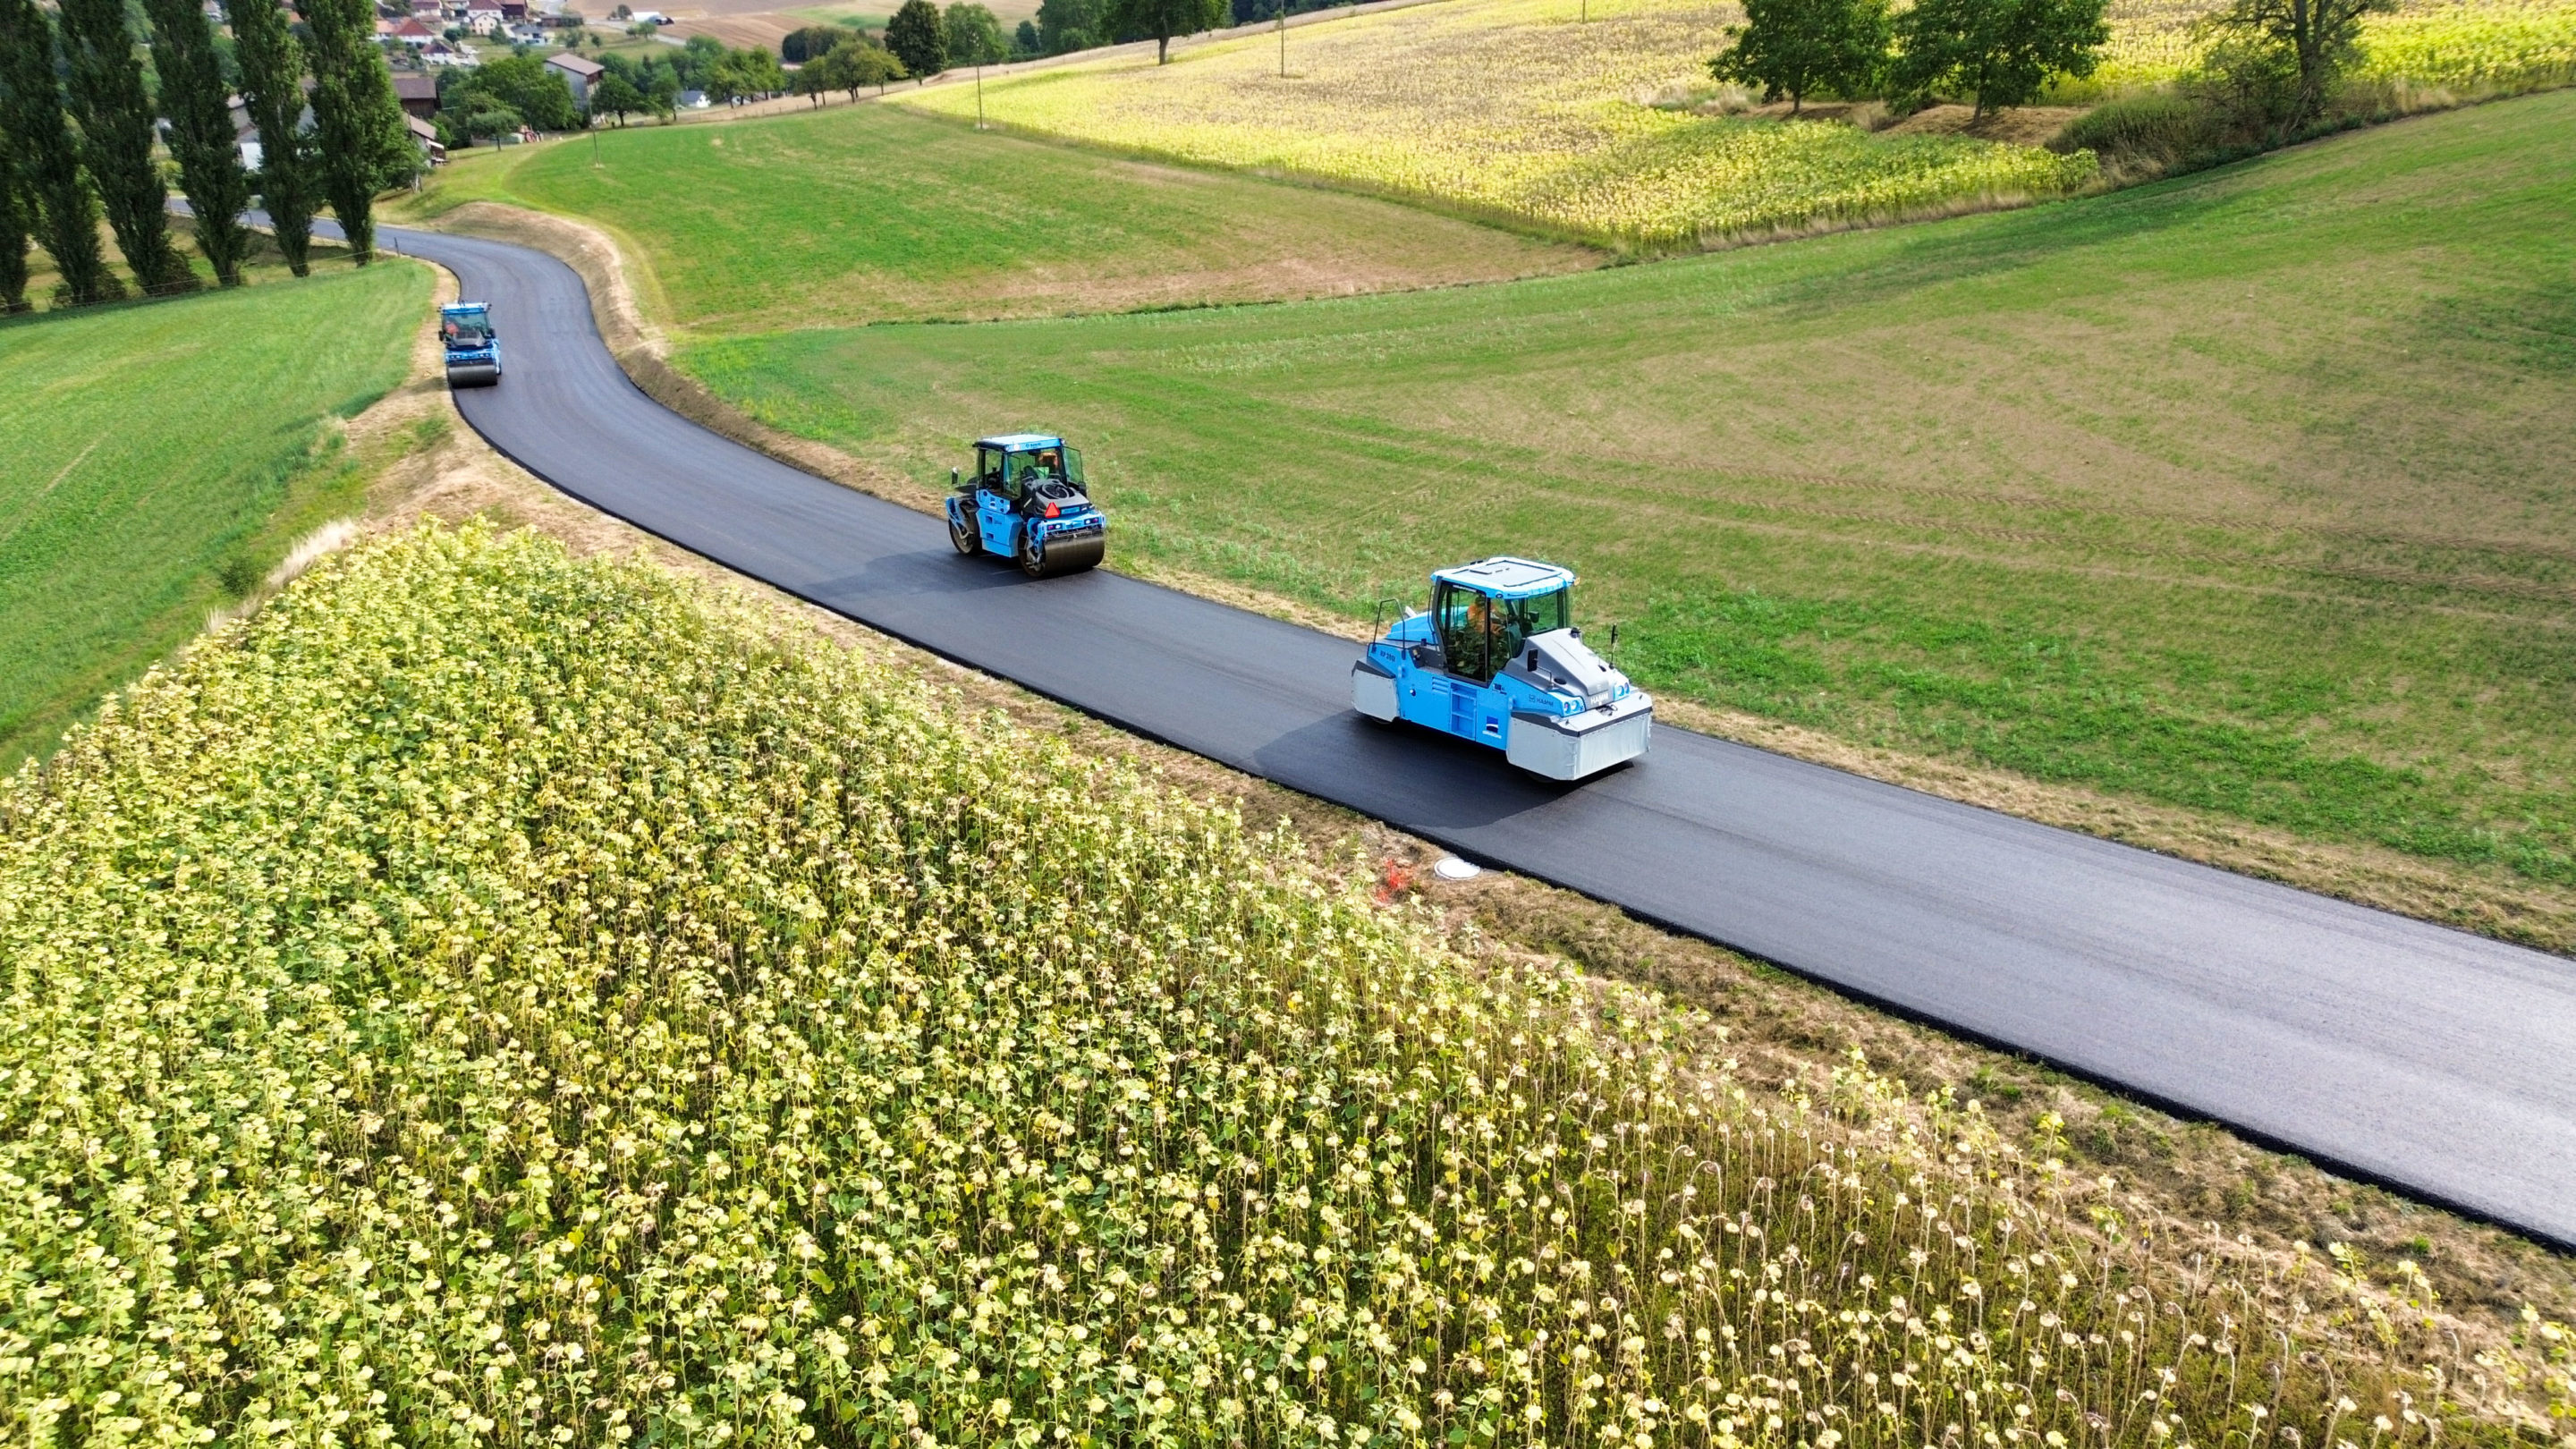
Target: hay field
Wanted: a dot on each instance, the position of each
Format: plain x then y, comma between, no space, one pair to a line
1513,109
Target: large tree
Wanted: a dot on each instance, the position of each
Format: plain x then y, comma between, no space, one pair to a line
13,225
1797,48
116,140
617,96
810,43
2317,37
919,38
2000,51
1163,19
855,63
525,84
201,132
355,116
974,35
1067,25
272,84
48,162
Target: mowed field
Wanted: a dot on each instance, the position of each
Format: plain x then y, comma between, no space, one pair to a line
2249,492
149,446
864,213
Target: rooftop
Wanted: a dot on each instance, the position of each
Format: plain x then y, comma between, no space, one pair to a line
1020,442
1508,578
575,64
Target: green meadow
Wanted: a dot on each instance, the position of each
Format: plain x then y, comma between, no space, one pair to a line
2253,492
158,453
860,213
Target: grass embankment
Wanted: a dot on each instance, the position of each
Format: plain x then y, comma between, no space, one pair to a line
161,455
1510,109
2244,492
492,998
861,213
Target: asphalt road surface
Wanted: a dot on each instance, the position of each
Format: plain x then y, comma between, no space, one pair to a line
2436,1062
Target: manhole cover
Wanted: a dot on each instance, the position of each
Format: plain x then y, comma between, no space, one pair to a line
1452,868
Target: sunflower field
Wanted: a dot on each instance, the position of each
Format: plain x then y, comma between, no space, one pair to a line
1527,109
490,998
2469,47
1544,110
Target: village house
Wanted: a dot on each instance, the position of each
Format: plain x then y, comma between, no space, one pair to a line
578,73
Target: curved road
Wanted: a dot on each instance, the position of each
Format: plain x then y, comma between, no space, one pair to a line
2437,1062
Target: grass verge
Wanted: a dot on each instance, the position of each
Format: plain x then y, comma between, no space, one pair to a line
163,455
615,1017
2232,493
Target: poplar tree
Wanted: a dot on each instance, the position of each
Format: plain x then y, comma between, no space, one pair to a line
201,131
13,226
355,115
31,106
116,141
272,70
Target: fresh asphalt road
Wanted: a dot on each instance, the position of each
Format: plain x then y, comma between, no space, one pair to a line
2440,1063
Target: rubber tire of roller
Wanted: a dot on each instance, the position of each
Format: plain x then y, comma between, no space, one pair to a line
962,537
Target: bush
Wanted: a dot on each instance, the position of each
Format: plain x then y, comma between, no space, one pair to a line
2157,131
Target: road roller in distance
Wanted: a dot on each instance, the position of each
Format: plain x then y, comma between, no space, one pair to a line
473,348
1026,502
1499,661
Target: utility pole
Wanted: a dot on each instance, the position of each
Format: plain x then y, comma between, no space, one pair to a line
979,95
1283,39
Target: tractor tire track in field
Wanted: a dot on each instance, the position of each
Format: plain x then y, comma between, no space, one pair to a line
2420,1057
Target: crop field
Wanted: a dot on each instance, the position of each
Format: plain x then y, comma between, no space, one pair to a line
2245,492
493,999
1511,108
2469,47
862,213
149,447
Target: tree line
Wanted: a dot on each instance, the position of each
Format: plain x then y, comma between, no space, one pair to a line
78,122
1998,52
2271,74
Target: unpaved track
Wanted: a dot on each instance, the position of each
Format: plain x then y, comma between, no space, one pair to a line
2437,1062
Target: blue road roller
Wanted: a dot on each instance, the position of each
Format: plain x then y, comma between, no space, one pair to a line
1499,661
473,348
1026,502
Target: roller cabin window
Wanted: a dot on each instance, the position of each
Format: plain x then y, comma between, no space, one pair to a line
1479,634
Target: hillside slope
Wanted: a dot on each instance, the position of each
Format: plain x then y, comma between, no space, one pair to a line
2241,493
859,214
491,998
147,446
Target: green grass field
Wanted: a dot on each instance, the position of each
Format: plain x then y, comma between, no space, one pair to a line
861,213
153,444
2249,492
